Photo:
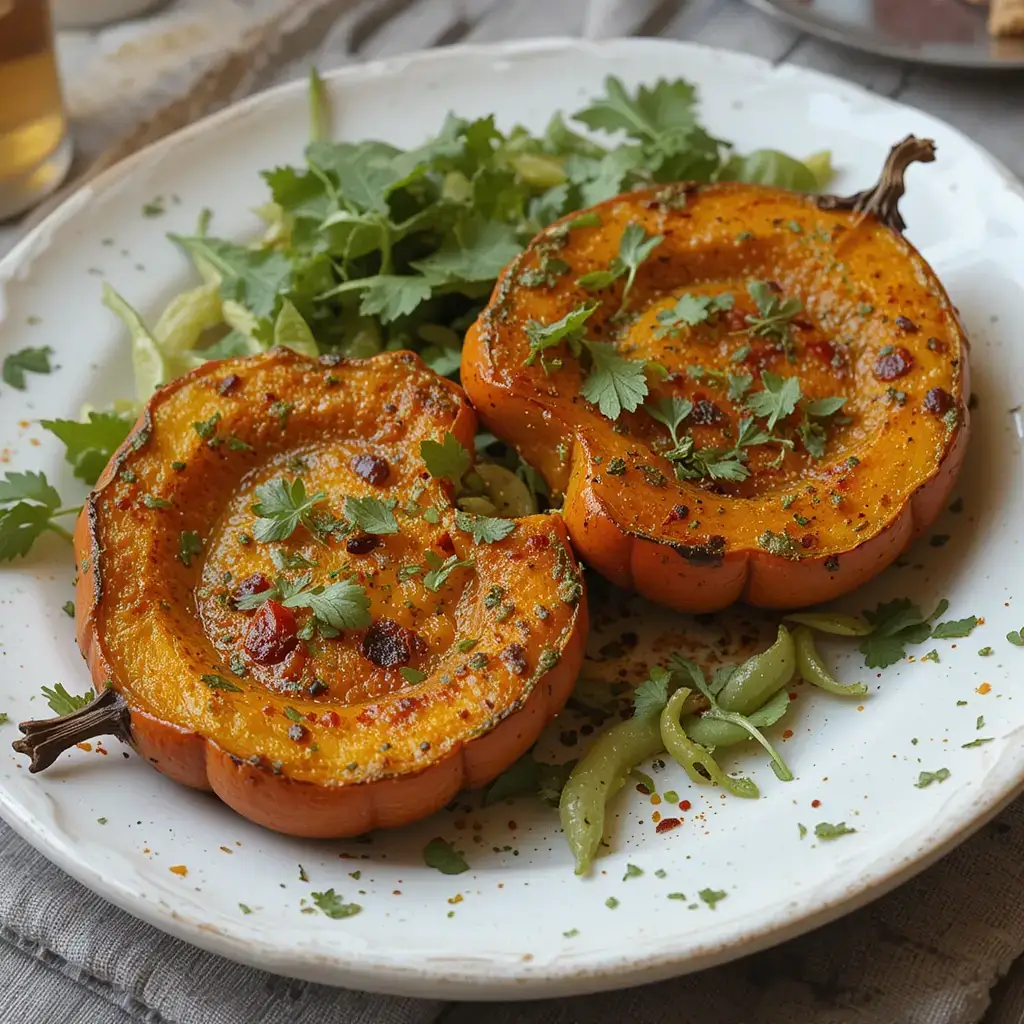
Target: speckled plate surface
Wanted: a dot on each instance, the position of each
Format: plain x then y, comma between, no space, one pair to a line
949,33
500,929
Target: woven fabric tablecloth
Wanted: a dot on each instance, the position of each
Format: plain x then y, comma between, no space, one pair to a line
933,952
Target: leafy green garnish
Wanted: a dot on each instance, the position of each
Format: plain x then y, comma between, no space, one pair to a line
446,460
651,696
775,316
215,681
895,624
484,529
442,856
712,896
189,544
825,830
927,778
570,329
28,360
777,400
63,703
337,606
528,776
635,246
371,515
955,629
615,383
691,310
780,544
413,676
28,507
330,903
281,506
670,412
89,445
441,569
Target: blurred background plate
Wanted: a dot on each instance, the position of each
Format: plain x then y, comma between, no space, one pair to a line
953,33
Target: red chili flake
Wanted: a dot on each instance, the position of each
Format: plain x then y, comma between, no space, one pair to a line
892,363
935,345
257,583
787,734
271,633
229,384
388,644
444,542
267,709
808,540
331,719
938,401
538,540
904,323
371,468
678,512
124,504
815,803
792,696
684,805
362,545
667,824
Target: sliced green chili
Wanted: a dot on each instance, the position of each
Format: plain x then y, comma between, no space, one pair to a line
760,677
714,733
694,759
813,670
832,622
600,774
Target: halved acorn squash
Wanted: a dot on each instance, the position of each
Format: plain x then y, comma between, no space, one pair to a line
325,667
695,306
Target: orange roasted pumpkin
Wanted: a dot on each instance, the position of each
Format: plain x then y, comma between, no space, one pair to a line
744,393
332,659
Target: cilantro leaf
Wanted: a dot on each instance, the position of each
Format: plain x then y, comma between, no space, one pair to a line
895,624
691,310
341,605
615,383
413,676
63,703
442,856
215,681
330,903
371,515
670,412
955,629
822,408
28,360
651,696
739,385
569,329
189,544
90,445
528,776
281,507
445,460
635,246
31,507
480,255
665,107
712,896
441,569
484,529
775,315
927,778
826,830
777,400
29,486
391,296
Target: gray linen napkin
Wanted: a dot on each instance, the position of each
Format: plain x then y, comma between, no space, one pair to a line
928,953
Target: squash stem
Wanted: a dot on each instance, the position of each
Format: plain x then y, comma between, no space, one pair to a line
883,199
44,741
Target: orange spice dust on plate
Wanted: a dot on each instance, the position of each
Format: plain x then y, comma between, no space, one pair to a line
178,869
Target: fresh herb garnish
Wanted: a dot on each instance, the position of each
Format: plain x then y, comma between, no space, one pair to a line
63,703
442,856
371,515
216,681
28,507
927,778
977,743
614,383
28,360
441,569
337,606
528,776
281,506
413,676
691,310
635,246
483,529
569,329
777,400
955,629
712,897
651,696
89,445
330,903
895,624
775,315
445,460
189,544
825,830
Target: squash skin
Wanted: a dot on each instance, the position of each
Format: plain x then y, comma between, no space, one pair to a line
717,237
443,736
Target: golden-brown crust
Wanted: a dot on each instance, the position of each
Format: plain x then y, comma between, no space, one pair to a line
866,292
372,751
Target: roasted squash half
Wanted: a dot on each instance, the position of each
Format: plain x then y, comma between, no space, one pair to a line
325,667
642,357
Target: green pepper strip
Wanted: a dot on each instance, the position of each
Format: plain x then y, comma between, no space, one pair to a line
812,668
759,677
712,733
600,774
692,756
827,622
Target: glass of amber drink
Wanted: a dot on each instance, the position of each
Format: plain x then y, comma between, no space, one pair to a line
35,149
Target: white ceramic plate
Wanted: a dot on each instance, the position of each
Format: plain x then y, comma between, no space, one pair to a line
497,930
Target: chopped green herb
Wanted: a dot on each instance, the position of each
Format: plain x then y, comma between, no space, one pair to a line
63,703
778,399
775,315
442,856
69,609
446,460
330,903
412,676
371,515
484,529
189,544
976,743
280,508
691,310
712,896
27,360
217,682
632,871
927,778
956,629
570,329
825,830
615,383
611,903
